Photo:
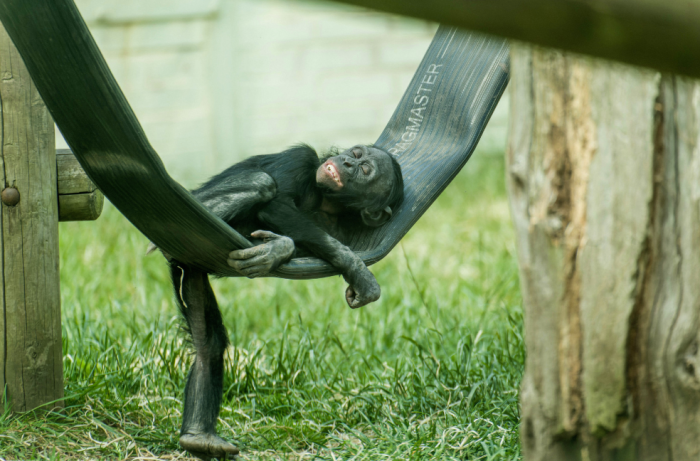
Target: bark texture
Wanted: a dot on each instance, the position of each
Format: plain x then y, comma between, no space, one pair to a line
604,185
31,366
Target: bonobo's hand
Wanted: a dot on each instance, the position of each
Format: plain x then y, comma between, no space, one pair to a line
363,287
262,259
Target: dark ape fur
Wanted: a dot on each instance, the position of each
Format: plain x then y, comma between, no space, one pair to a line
297,195
293,175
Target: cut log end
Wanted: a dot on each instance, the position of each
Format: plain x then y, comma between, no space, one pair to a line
80,207
78,197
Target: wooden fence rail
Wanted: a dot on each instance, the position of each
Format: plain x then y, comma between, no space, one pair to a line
661,34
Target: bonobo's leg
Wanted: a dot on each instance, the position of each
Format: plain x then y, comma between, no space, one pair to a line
204,387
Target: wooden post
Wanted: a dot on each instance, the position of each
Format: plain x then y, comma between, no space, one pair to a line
604,184
31,367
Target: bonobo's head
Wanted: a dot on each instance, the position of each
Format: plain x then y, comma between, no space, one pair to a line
364,179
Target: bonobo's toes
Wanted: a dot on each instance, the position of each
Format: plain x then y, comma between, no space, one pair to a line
207,446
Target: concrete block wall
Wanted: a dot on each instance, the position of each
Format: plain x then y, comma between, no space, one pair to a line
320,74
213,81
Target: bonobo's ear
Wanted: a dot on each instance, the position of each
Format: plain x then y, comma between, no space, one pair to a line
375,218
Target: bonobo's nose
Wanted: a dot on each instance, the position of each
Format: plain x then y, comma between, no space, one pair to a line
347,162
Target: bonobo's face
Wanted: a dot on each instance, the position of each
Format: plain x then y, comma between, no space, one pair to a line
358,172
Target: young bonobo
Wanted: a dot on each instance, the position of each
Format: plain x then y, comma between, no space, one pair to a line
305,201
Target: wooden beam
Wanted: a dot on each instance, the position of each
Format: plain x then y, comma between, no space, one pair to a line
78,197
31,359
661,34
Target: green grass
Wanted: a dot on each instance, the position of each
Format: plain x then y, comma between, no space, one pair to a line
431,371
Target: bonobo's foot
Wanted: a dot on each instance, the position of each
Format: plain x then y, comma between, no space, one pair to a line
207,446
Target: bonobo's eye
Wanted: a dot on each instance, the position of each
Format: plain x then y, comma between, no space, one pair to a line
357,152
365,169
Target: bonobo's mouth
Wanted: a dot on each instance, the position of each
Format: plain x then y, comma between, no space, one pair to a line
332,171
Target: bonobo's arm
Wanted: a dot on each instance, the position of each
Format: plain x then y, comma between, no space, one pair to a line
231,196
283,216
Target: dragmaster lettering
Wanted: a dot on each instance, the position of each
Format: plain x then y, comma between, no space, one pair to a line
420,103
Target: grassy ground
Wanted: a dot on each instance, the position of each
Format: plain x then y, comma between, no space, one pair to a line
431,371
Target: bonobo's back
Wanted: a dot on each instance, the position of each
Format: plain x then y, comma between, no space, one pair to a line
293,170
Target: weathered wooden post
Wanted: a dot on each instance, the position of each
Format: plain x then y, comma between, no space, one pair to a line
604,185
31,370
30,355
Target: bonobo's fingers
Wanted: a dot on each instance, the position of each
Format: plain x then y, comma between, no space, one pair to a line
242,264
247,262
262,259
263,234
352,298
246,253
251,268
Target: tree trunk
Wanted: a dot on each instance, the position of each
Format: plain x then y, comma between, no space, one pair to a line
604,185
31,367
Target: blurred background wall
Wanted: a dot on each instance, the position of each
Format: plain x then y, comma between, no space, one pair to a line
213,81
